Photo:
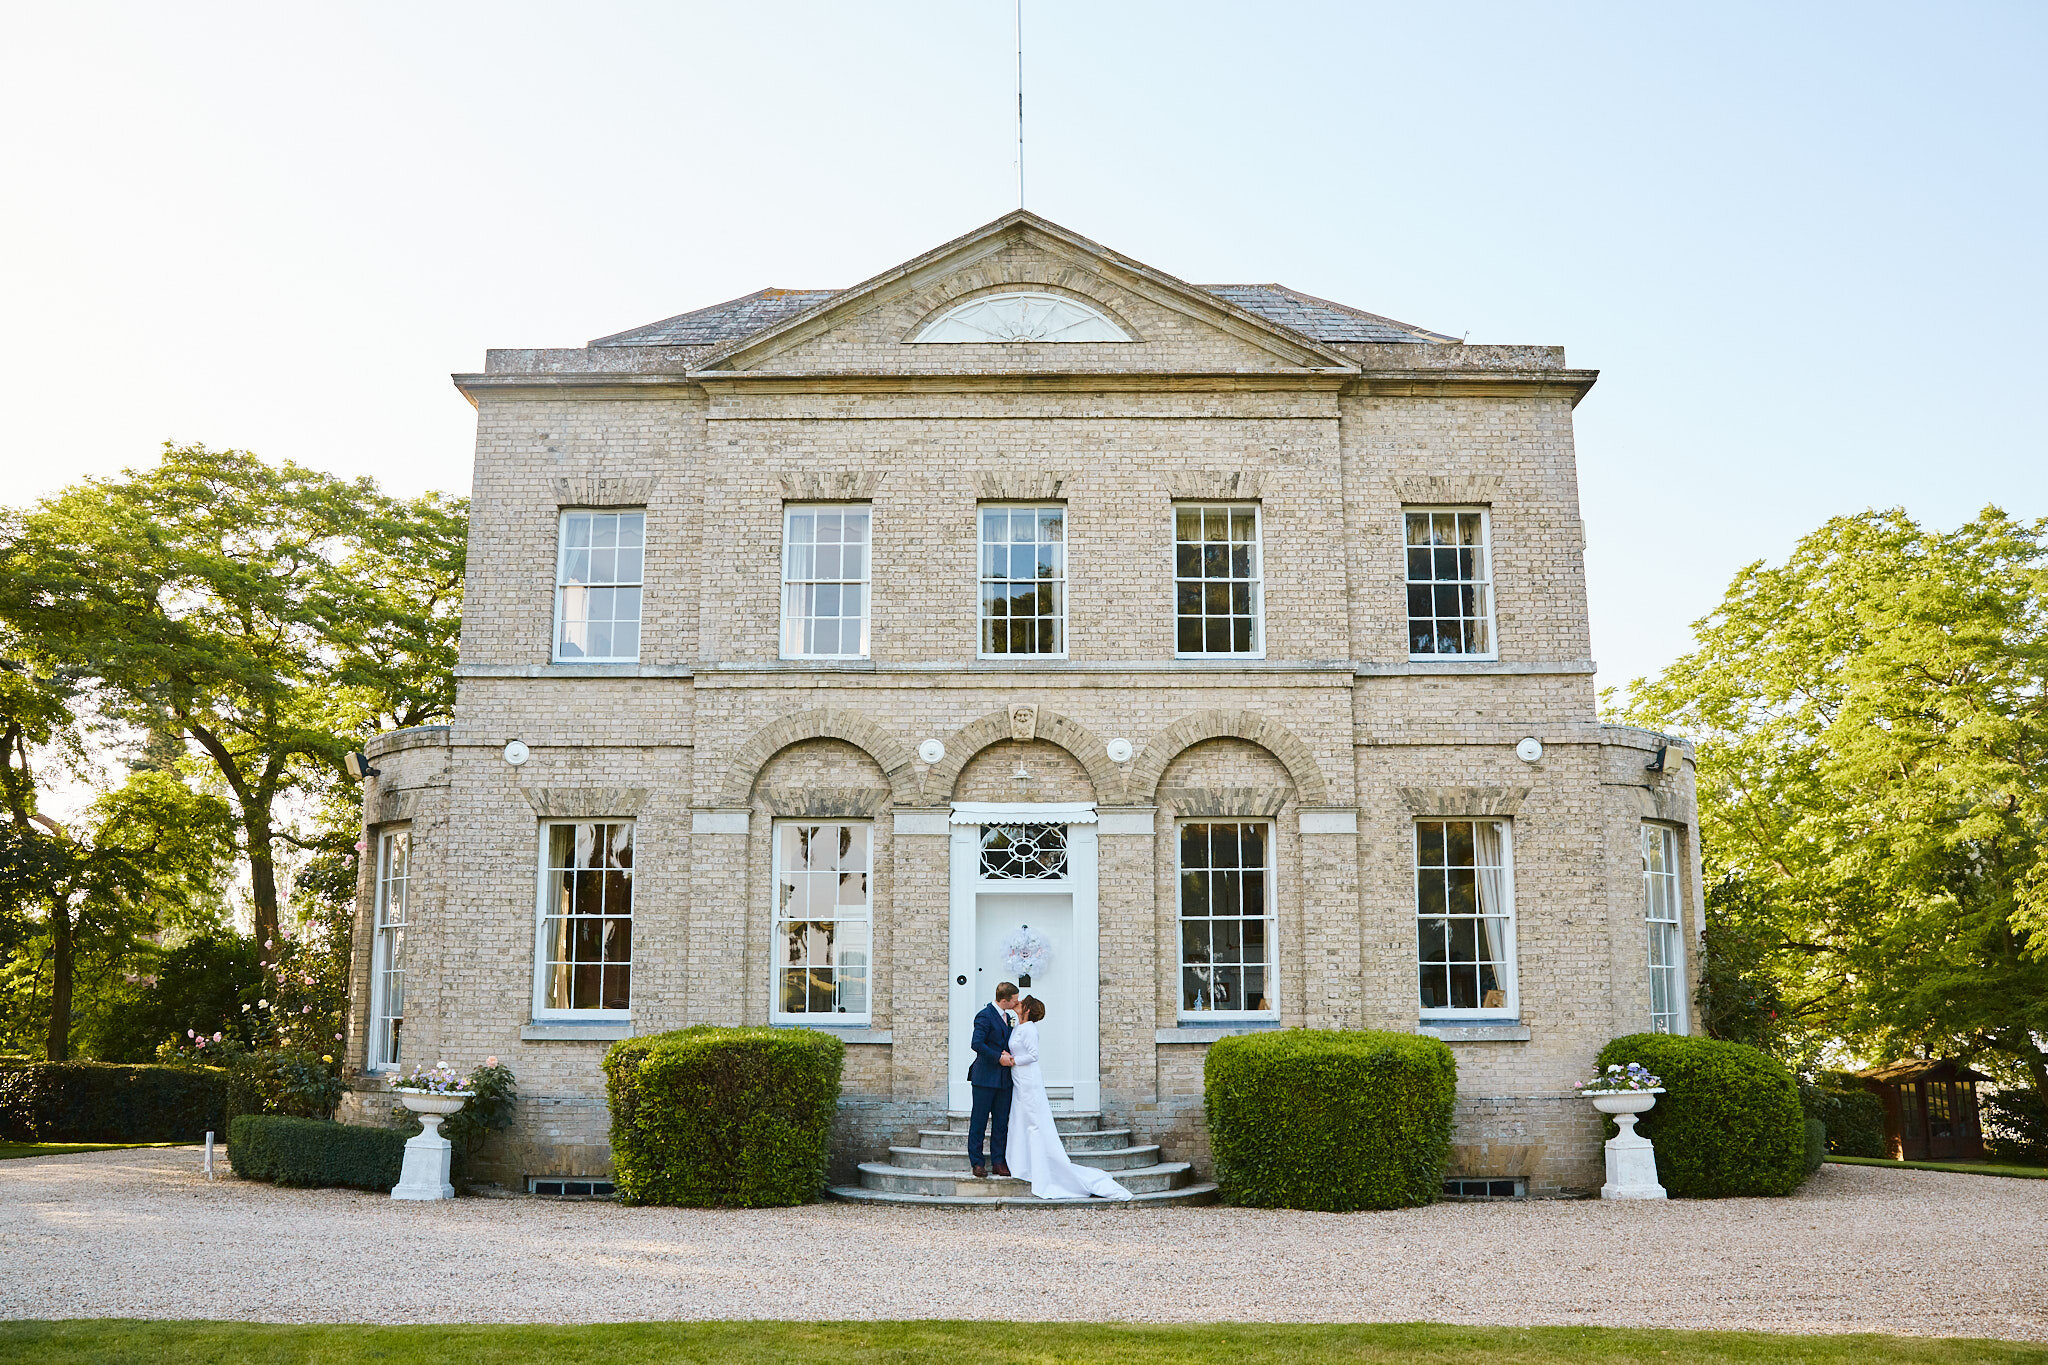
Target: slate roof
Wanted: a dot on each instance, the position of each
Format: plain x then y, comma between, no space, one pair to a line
1314,318
1318,319
721,322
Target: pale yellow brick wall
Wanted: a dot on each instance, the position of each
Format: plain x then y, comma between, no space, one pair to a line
714,725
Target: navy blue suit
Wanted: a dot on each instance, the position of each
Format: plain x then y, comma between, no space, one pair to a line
991,1082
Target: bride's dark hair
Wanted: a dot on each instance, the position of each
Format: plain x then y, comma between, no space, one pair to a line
1033,1007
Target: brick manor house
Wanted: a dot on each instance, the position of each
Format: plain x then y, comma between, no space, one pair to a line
1216,654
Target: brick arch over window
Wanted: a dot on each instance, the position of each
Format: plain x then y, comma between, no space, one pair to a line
1054,728
1010,276
1269,734
895,760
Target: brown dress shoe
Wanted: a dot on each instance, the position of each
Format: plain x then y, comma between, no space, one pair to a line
981,1172
1002,1168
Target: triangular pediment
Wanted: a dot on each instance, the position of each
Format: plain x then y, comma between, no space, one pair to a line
1028,267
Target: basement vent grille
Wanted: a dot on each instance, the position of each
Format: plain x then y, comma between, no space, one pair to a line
569,1188
1484,1189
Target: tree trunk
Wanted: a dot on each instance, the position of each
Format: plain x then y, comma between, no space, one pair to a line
262,882
59,1044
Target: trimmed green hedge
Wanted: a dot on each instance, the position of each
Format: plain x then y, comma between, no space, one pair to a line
1730,1122
1816,1144
106,1102
296,1151
723,1117
1329,1119
1856,1124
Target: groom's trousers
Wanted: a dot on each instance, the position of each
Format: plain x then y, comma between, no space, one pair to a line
990,1102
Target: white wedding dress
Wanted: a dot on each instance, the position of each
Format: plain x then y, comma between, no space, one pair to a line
1035,1152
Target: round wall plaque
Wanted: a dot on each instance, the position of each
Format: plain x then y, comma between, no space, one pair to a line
1529,750
1119,751
516,752
931,751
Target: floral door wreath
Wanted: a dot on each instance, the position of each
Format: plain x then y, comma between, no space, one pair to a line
1025,952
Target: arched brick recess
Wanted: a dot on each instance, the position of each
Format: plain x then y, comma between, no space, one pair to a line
1004,274
895,760
1264,731
1076,738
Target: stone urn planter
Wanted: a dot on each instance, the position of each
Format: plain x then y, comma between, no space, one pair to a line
1631,1158
425,1173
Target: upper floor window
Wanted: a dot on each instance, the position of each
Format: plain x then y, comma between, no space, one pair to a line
1024,580
825,581
387,949
823,921
1660,910
1450,583
1226,918
1465,917
1022,316
1217,580
597,587
585,957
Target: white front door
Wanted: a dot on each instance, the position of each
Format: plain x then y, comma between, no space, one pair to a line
998,917
1019,866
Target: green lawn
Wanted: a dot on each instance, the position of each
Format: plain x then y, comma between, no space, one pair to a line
1965,1167
115,1342
13,1149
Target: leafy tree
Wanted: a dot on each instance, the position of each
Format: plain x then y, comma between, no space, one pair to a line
1872,719
197,985
95,885
265,615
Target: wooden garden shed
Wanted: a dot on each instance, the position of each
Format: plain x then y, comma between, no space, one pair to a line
1930,1109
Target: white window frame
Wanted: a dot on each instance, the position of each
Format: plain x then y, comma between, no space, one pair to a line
563,586
1272,918
984,580
1256,581
1665,891
1510,967
776,965
541,958
1485,582
387,959
792,621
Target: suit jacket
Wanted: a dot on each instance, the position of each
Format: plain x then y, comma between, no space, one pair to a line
991,1039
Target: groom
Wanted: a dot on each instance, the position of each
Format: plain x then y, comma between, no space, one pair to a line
990,1077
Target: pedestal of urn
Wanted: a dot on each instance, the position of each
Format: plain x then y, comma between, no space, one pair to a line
425,1173
1631,1157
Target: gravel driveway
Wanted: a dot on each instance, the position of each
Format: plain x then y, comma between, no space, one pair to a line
142,1234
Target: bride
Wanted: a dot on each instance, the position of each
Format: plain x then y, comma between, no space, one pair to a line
1036,1152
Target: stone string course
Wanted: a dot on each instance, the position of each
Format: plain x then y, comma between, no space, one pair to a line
1331,719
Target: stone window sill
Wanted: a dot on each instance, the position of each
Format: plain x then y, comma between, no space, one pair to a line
846,1033
562,1031
1478,1031
1209,1033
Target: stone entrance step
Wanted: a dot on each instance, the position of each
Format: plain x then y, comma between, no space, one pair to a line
935,1172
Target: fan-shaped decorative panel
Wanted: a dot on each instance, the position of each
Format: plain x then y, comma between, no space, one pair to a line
1022,317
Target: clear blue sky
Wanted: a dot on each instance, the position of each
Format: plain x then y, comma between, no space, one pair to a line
1803,243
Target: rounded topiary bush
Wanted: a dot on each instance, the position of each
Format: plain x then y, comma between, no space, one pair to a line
1330,1120
737,1117
1730,1122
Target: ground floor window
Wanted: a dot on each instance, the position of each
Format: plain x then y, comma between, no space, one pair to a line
586,919
387,949
1226,918
1660,899
823,921
1465,923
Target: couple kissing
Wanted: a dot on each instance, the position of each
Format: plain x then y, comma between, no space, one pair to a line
1011,1109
